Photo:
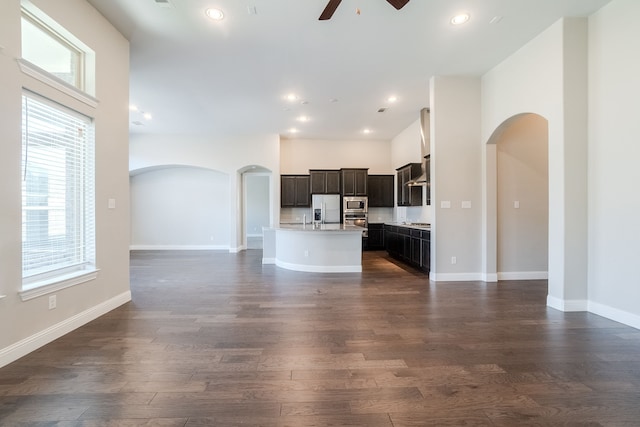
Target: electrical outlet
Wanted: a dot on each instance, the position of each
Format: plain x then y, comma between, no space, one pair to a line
454,260
52,302
306,253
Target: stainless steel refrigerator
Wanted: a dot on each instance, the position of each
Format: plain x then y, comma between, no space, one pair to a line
325,208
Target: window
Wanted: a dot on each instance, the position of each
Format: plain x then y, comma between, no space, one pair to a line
48,50
58,231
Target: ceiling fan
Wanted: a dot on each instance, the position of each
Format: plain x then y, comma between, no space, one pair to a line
327,13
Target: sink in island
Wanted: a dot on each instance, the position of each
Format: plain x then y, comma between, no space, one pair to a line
322,248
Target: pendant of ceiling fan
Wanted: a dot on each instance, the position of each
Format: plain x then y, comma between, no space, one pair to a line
331,7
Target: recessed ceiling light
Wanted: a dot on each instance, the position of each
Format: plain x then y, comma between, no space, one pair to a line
291,97
215,14
147,116
392,98
460,19
366,131
302,118
133,108
293,130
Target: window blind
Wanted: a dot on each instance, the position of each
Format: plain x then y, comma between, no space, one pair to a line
58,227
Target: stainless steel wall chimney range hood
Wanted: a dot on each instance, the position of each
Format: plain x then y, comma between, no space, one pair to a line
425,123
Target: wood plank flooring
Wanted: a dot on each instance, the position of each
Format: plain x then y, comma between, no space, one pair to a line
218,339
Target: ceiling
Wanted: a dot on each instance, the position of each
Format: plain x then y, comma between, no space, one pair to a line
230,77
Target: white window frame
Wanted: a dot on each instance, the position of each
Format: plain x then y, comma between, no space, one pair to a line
47,32
33,287
59,276
87,67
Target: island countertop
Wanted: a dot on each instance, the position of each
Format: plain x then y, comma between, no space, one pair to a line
320,227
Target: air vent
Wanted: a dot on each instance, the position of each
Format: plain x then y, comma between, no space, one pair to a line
137,123
164,3
382,109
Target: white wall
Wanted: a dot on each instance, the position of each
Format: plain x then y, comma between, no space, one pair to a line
232,156
456,178
29,324
523,177
297,156
547,76
405,147
180,208
614,199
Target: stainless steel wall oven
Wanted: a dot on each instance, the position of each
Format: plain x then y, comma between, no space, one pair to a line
355,212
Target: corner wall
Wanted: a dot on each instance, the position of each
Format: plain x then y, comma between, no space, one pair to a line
548,77
456,192
614,199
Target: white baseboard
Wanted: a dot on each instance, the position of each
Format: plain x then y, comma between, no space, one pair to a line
254,235
567,305
320,268
238,249
489,277
35,341
615,314
178,247
523,275
456,277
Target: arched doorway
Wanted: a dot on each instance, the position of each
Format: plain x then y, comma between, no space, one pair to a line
256,205
517,214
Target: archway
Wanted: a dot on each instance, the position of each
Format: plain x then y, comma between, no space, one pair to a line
179,207
517,210
256,205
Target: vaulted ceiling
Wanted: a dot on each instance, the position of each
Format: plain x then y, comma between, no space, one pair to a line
196,75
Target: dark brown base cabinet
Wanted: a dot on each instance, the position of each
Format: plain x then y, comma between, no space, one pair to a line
409,245
375,241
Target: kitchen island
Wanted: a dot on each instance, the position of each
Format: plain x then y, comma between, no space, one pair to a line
321,248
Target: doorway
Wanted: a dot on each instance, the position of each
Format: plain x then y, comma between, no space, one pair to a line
521,188
257,212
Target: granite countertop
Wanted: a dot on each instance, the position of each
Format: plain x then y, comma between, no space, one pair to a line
416,225
320,227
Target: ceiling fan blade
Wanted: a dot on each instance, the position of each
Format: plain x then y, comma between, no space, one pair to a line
398,4
327,13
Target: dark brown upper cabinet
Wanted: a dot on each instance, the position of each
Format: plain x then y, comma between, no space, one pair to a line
408,195
354,182
324,181
380,191
294,191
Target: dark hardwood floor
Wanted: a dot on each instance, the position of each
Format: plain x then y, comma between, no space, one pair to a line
213,338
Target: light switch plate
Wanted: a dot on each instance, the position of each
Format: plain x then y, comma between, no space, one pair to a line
516,204
466,204
112,203
445,204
